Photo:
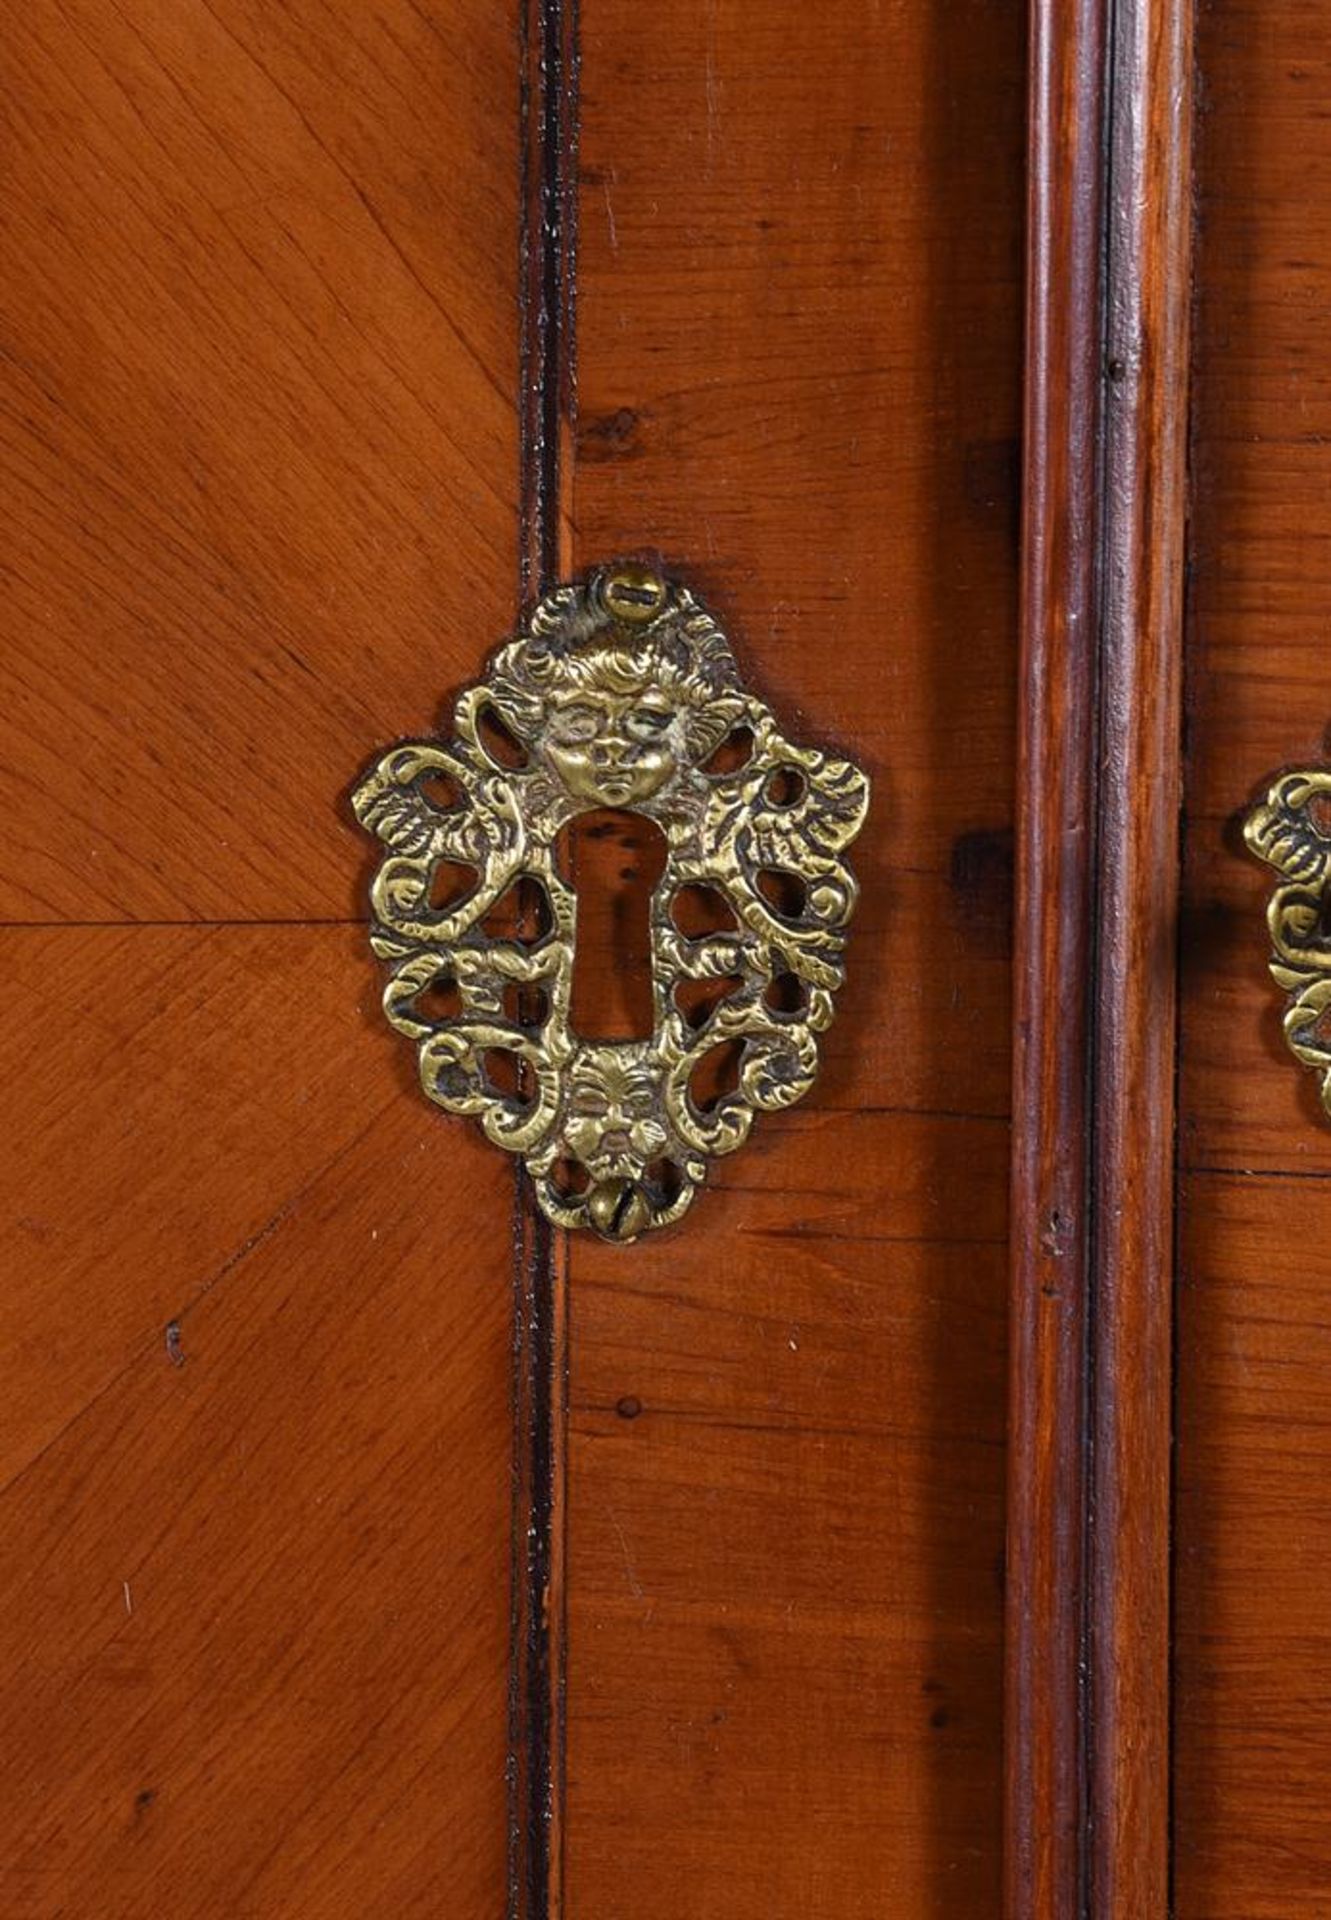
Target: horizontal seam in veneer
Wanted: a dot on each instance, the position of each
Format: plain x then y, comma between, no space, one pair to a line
1253,1173
107,926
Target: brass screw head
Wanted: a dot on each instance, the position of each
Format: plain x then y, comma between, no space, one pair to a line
633,593
619,1210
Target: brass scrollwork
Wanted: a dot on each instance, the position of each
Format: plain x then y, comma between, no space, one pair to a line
620,691
1291,830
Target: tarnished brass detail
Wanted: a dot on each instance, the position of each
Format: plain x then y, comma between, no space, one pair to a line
1291,831
621,691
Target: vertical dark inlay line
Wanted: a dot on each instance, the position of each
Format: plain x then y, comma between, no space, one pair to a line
549,127
536,1681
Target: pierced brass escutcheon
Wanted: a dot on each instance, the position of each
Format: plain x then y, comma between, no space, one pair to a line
621,691
1291,831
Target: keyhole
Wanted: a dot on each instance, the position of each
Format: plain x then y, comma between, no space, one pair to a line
613,860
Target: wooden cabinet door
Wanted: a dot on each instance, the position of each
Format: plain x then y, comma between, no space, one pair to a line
1168,1592
262,500
261,495
332,334
929,1524
1252,1719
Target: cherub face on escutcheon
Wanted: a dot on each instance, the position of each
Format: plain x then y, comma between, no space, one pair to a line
613,749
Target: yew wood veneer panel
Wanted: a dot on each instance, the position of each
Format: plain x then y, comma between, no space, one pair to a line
260,473
1253,1642
257,1455
1254,1548
798,379
258,296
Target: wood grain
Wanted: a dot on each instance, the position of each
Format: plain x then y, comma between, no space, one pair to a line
1253,1634
1148,299
1092,1245
797,378
260,433
260,475
254,1619
1046,1776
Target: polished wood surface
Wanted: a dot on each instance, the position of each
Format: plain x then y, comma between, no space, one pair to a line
1253,1640
260,483
372,1550
1148,300
797,377
1046,1777
1093,1175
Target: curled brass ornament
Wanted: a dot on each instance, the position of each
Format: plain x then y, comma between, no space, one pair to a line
621,691
1291,830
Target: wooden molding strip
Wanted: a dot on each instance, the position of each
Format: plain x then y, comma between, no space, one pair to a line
1046,1801
1092,1219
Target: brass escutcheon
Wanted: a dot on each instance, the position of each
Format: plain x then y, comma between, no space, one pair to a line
620,691
1291,831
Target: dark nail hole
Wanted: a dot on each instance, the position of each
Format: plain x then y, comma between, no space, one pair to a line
716,1075
785,892
499,740
612,434
733,754
698,1000
699,910
629,1407
980,877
